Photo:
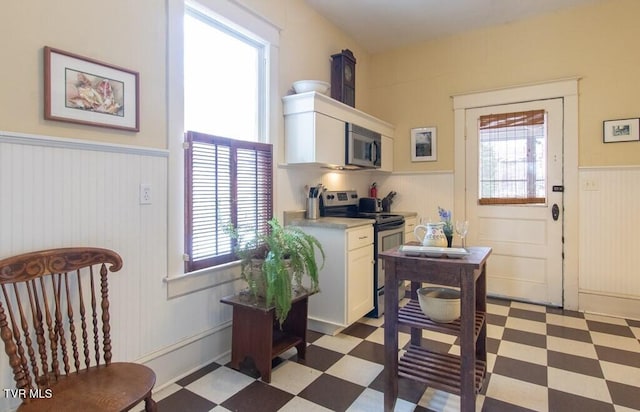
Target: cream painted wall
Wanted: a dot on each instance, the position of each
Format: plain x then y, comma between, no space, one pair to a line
412,86
129,34
133,35
306,44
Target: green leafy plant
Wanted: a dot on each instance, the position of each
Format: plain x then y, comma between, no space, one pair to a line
279,261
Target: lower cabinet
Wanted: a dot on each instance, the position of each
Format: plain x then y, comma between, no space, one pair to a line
346,280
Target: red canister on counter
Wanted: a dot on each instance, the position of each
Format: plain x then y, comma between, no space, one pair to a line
373,190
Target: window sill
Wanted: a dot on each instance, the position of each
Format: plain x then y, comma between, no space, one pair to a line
180,285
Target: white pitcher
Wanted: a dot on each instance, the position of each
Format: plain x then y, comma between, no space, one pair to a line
433,234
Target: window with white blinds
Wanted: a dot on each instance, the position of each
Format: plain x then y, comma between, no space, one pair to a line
512,163
229,184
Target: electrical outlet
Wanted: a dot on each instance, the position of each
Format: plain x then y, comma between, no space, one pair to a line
590,185
145,194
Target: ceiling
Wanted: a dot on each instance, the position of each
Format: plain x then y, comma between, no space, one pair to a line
380,25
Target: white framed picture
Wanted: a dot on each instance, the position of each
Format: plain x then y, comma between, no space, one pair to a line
423,144
623,130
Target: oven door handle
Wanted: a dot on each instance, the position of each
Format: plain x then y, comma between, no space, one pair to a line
390,225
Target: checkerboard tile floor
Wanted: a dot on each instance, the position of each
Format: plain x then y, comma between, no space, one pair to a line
539,359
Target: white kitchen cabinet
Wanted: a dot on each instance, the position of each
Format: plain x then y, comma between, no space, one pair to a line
346,280
387,155
410,223
313,137
314,130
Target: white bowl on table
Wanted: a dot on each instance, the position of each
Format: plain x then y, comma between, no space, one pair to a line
303,86
440,304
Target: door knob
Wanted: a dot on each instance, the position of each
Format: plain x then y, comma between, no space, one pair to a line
555,211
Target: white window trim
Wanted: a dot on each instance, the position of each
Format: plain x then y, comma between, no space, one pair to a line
239,16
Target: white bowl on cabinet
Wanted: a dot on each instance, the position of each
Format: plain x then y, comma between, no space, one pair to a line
303,86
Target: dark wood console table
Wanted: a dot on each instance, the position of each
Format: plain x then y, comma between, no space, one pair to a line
257,334
462,375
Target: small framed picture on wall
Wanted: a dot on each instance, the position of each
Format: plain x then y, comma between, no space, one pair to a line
423,144
623,130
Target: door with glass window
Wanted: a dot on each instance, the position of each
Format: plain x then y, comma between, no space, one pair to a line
514,196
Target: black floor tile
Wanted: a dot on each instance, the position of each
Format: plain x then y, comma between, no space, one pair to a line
495,405
623,357
359,330
517,369
198,374
610,329
624,395
525,338
318,358
528,314
333,393
258,397
370,351
577,364
569,333
185,401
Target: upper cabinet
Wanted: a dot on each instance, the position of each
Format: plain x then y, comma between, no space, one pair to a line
314,126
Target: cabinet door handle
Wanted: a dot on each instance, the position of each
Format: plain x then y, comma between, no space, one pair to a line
363,237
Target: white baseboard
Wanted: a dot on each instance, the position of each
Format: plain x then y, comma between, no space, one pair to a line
189,355
608,305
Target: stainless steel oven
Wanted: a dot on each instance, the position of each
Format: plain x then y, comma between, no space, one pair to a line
387,237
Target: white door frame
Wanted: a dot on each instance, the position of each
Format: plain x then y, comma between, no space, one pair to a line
567,89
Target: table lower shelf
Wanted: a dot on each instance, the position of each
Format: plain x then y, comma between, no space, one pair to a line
411,315
284,341
437,370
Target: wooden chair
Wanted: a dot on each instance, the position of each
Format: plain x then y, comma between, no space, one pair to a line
54,322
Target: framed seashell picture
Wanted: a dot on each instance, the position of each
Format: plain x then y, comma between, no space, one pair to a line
86,91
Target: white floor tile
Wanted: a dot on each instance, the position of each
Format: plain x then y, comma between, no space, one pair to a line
359,371
495,332
566,321
517,392
293,377
378,337
620,373
377,322
571,347
614,341
340,343
498,309
529,306
606,319
372,400
439,337
578,384
299,404
436,400
522,352
526,325
220,384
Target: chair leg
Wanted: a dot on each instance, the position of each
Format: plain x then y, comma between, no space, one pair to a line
150,404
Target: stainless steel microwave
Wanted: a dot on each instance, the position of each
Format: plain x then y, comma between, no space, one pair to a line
363,147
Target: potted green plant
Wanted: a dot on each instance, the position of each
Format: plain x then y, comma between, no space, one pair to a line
275,265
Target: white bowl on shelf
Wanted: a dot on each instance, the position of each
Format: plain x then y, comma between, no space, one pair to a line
440,304
303,86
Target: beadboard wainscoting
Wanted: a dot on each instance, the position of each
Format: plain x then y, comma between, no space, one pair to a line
420,192
609,241
609,226
59,192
